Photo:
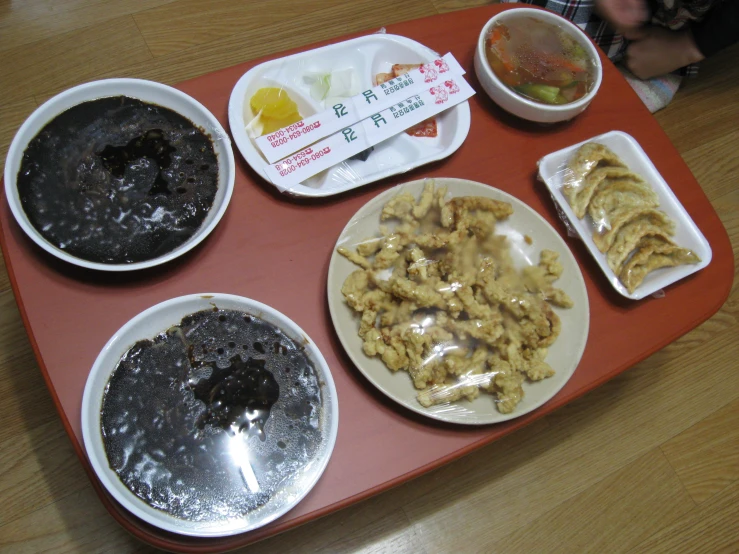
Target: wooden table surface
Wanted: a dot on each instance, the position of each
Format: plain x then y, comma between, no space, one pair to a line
647,462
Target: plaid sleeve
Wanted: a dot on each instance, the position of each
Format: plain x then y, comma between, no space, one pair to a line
582,14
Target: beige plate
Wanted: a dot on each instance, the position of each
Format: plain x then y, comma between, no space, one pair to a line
563,356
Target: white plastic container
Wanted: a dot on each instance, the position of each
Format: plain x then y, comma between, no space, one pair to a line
552,172
367,56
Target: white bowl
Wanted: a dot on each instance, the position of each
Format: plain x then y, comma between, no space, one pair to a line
522,107
147,91
158,319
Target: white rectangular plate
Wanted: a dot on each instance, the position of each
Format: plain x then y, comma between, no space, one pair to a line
367,56
687,233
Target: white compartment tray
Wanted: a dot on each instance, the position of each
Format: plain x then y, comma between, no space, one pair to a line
367,56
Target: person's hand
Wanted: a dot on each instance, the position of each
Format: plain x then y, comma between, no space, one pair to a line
623,15
657,51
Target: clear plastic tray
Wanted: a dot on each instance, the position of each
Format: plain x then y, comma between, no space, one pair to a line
367,56
551,172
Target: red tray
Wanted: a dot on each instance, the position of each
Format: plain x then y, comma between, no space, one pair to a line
276,250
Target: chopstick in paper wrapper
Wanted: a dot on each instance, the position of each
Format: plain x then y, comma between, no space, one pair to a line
292,138
368,132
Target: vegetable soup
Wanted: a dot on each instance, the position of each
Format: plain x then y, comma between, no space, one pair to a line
539,61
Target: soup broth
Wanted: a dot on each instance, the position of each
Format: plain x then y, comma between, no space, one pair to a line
539,61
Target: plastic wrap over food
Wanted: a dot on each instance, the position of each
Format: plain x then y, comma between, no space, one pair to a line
209,415
119,174
450,292
618,210
328,120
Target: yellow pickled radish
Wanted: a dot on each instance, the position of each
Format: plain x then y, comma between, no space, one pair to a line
274,103
270,125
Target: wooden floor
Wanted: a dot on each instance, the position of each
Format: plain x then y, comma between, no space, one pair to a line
646,463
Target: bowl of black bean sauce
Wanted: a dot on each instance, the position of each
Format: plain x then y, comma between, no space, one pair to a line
119,174
209,415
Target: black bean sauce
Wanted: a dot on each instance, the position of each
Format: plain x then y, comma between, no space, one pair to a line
118,180
234,392
179,411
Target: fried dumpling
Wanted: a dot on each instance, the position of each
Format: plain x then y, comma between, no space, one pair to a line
597,179
651,255
629,229
637,216
588,157
620,193
633,235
